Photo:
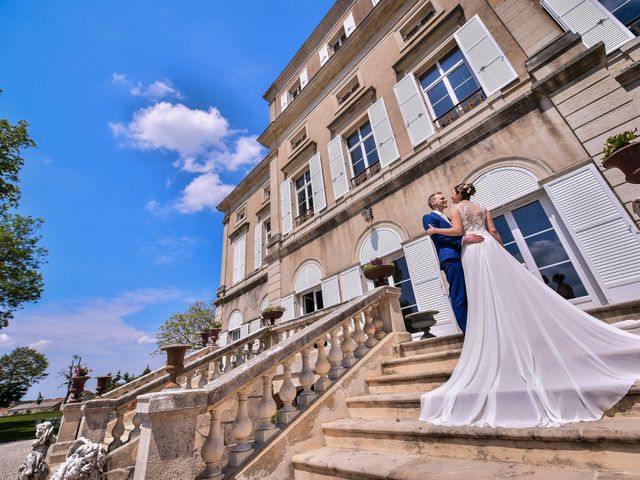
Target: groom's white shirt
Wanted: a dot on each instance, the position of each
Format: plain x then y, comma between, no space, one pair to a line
443,216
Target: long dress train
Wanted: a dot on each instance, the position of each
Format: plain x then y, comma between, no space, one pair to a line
530,358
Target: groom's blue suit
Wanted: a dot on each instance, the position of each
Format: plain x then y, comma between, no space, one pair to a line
449,250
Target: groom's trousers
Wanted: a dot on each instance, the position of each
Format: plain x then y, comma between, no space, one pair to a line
457,290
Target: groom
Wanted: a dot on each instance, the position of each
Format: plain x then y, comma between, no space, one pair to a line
449,250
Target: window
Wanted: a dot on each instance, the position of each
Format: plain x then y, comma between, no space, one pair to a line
241,214
298,139
338,41
363,153
267,230
239,251
416,24
266,193
626,11
234,335
311,302
401,280
530,237
348,90
295,90
450,88
304,197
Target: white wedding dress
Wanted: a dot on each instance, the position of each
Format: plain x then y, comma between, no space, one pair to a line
530,358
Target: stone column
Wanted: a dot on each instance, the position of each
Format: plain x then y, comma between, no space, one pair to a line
391,316
167,436
95,417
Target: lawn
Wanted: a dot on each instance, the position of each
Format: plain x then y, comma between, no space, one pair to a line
22,427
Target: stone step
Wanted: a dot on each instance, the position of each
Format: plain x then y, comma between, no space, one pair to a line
425,362
608,444
352,464
430,345
408,382
407,405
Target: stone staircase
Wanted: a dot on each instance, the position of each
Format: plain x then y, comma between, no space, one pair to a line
382,437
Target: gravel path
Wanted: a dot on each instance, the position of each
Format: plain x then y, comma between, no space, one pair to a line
12,454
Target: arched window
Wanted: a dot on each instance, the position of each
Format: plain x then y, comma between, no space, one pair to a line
308,288
500,186
234,326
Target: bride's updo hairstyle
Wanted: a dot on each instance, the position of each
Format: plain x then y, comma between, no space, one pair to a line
465,190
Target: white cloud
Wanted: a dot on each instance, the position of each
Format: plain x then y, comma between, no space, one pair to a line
156,91
146,339
41,344
119,78
169,250
5,340
205,191
95,328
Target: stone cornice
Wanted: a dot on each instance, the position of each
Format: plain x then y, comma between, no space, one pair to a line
255,178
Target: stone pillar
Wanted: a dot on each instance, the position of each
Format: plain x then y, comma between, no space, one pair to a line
167,436
95,417
71,418
391,315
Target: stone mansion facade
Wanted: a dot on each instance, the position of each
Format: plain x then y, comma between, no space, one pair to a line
388,101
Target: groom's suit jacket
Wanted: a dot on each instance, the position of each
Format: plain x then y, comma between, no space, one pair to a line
448,248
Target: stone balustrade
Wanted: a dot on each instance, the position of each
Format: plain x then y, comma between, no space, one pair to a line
240,406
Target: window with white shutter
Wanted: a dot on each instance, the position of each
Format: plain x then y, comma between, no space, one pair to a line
317,183
428,288
285,206
488,62
349,25
284,101
383,133
239,253
324,54
414,111
244,330
593,21
288,303
257,252
502,185
304,78
606,236
331,291
337,167
350,283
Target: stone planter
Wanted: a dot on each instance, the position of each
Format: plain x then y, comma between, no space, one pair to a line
421,322
214,334
627,160
271,316
175,362
101,384
379,273
204,335
77,387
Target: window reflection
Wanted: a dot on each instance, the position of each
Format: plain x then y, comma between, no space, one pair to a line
400,278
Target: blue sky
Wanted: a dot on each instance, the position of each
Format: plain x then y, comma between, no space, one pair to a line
145,114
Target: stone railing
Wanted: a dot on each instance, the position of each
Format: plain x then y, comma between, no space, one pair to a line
237,413
111,419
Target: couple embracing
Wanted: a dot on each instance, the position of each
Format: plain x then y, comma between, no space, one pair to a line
530,358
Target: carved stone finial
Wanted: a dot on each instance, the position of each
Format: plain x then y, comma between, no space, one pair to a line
85,461
34,467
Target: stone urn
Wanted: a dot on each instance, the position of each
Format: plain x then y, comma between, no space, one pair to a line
77,387
378,273
214,335
175,362
421,322
101,384
204,335
627,160
271,316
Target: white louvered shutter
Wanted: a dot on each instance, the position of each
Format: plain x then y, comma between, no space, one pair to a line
304,78
607,237
350,283
244,330
257,251
502,185
285,206
284,101
289,308
223,338
330,291
255,325
382,241
428,288
324,54
383,133
317,183
239,254
349,25
338,169
486,59
414,111
590,20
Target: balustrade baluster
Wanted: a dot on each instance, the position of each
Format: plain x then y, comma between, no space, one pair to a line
202,381
322,367
369,329
306,380
287,394
137,421
347,345
335,355
240,356
213,449
118,429
241,430
188,379
266,410
378,323
359,337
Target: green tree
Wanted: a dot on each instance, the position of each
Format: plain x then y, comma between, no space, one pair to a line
18,371
20,254
186,327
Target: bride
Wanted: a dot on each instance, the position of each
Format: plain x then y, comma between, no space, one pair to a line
530,358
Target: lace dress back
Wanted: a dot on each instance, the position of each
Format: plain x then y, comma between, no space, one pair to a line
474,217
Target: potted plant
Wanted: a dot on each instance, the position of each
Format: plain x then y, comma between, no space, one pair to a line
78,379
378,270
214,333
622,151
272,313
102,382
175,362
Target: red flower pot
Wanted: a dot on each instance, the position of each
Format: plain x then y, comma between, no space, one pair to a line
626,159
